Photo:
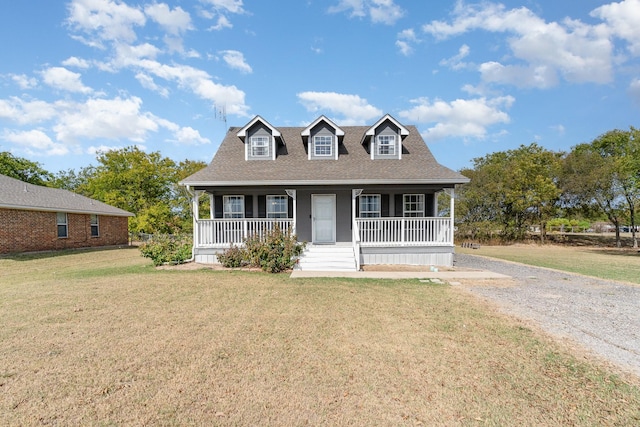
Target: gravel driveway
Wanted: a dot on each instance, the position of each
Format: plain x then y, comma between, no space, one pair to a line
601,315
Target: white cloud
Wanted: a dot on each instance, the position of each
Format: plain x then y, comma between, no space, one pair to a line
455,62
404,41
222,23
355,110
115,119
35,142
147,82
63,79
26,112
541,76
76,62
235,60
465,118
201,84
623,19
105,20
175,21
221,8
189,136
577,51
231,6
379,11
23,81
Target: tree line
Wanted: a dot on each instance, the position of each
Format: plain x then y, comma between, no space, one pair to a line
512,192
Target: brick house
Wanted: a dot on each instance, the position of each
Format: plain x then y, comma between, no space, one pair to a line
357,194
36,218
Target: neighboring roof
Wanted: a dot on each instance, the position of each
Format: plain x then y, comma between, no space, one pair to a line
16,194
353,166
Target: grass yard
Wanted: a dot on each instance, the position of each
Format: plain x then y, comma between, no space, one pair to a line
104,338
605,263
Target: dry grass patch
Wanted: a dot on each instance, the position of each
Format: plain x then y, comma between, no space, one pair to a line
104,338
605,263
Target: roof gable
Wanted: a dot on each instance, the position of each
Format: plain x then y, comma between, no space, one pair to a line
372,130
242,133
337,130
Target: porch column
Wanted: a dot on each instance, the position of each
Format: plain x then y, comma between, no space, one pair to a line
195,207
451,192
355,193
293,195
211,206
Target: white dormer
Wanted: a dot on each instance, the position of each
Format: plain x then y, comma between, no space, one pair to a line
385,138
322,139
260,139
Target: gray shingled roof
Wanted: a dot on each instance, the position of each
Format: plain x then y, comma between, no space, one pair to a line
354,165
15,194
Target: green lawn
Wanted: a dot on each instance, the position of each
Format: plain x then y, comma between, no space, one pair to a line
104,338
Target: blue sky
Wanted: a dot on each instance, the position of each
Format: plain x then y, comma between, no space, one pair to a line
82,76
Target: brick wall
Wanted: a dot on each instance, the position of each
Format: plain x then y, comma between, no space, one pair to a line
30,231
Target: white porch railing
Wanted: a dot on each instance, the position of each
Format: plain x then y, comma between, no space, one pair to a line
405,231
224,232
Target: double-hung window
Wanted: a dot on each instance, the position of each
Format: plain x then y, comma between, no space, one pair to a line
95,231
386,145
63,224
370,206
233,206
259,146
277,207
413,205
323,145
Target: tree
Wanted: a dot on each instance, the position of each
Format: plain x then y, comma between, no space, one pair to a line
142,183
23,169
587,182
511,191
622,149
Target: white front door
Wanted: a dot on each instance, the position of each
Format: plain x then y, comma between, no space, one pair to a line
323,211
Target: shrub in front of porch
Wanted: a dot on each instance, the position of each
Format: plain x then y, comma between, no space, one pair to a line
166,249
275,251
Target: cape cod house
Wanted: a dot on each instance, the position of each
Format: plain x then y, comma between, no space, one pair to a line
356,194
37,218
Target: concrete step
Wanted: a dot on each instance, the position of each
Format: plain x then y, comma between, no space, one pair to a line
327,258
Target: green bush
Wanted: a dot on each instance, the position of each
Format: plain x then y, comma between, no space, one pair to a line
273,252
166,249
233,257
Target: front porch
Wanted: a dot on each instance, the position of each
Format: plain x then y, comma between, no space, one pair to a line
381,228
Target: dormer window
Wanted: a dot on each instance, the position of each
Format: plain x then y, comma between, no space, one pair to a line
261,140
322,138
260,146
386,145
385,138
323,145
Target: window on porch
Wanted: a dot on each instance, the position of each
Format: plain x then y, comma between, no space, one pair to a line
233,206
277,207
413,205
370,206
